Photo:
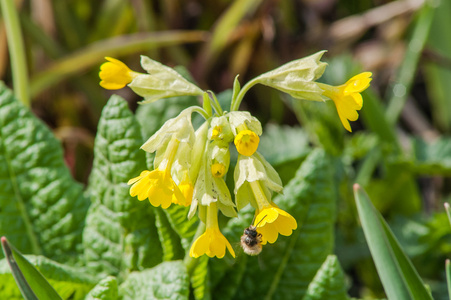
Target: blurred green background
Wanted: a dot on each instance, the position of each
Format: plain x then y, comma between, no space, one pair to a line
400,149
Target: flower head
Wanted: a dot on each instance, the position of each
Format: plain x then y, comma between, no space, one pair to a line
347,97
186,188
115,75
157,186
212,242
272,221
246,142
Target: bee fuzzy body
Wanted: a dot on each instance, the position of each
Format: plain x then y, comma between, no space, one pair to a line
251,241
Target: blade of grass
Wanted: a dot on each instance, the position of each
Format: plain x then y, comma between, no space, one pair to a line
414,283
447,212
399,278
16,51
32,284
115,47
403,83
448,277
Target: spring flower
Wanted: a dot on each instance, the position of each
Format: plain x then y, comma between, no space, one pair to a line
186,188
247,130
347,97
246,142
212,242
158,185
273,221
254,169
115,75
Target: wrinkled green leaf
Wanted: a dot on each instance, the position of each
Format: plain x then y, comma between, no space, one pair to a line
329,282
291,263
45,277
398,276
170,240
284,148
433,158
42,207
120,231
168,280
200,279
106,289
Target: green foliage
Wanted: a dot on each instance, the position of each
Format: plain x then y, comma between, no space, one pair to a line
286,268
168,280
328,283
41,277
42,207
120,233
106,289
399,277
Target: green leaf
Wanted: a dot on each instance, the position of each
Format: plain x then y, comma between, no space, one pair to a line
291,262
448,276
437,75
398,276
168,280
433,158
120,233
42,209
284,148
106,289
329,282
44,276
170,241
322,122
200,279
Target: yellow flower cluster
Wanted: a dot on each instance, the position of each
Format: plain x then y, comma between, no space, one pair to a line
190,165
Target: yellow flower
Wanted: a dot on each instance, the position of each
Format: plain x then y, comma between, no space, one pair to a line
270,220
273,221
114,74
218,170
246,142
212,242
347,97
157,186
186,188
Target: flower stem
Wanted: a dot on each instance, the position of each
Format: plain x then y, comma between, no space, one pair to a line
237,101
16,51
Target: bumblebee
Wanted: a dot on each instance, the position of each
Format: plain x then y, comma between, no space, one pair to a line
251,240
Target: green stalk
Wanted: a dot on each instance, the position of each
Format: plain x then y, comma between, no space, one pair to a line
400,90
16,51
237,101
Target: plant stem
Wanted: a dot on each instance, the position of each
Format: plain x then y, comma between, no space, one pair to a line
236,104
16,51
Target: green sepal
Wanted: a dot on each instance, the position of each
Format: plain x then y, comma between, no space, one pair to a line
236,89
297,77
161,82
